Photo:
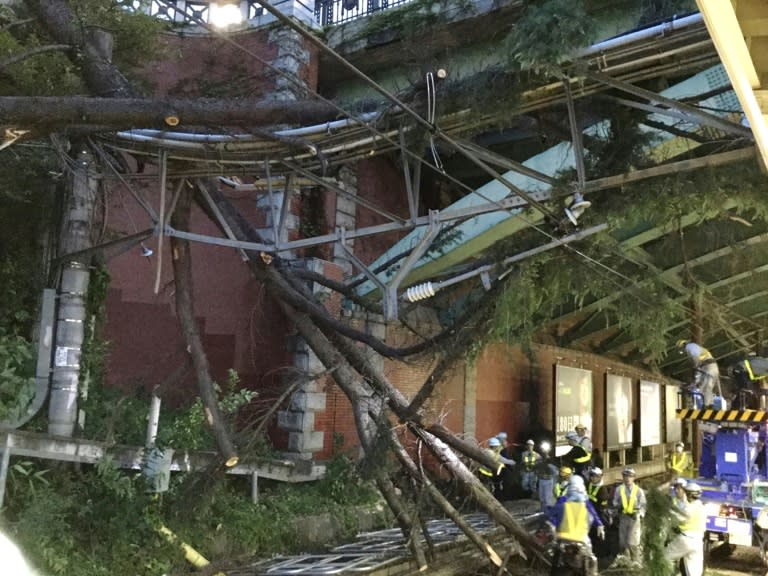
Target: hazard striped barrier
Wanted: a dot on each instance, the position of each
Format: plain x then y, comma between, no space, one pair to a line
712,415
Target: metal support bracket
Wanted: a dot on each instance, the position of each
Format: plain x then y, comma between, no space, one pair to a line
390,294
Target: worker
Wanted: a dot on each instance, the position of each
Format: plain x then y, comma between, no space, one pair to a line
678,463
563,481
629,501
573,516
598,495
529,459
503,438
577,457
688,542
584,440
492,478
706,372
546,470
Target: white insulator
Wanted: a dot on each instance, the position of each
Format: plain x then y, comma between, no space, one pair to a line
420,292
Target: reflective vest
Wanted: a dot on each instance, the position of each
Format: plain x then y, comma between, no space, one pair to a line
628,505
585,458
529,459
560,489
679,462
704,355
592,491
497,458
575,522
696,519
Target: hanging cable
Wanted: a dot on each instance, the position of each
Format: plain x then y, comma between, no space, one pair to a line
431,107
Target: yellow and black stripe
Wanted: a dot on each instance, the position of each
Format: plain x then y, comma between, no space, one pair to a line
712,415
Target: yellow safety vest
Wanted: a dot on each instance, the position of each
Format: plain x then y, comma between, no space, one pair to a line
529,459
560,489
696,521
583,459
592,490
575,522
497,457
679,462
628,507
705,355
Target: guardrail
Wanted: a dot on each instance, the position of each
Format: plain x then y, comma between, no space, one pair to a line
327,12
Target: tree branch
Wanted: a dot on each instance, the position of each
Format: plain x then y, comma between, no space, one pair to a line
33,52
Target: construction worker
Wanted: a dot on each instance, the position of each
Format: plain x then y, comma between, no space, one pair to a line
678,462
598,495
492,478
629,500
545,474
577,457
563,481
503,437
529,459
573,516
706,373
584,440
688,543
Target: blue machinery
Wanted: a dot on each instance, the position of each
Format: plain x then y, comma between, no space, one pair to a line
733,475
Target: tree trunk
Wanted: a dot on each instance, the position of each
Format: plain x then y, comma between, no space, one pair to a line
44,114
182,272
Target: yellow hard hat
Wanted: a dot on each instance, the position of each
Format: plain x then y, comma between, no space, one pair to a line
565,471
680,343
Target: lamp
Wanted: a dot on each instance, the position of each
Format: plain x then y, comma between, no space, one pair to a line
225,13
576,208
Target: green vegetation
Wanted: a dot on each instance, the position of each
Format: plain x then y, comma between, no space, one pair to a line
566,26
98,521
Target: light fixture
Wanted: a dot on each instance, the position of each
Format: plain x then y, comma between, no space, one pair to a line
576,208
225,13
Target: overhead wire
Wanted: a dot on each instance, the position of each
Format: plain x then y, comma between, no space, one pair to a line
428,123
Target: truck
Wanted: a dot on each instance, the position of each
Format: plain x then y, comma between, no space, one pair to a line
732,473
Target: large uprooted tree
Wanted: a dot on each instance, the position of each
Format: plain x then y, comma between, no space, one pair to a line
343,350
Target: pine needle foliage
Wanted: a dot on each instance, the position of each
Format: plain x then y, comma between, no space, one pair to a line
548,35
656,533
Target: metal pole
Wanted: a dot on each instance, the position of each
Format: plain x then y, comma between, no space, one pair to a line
255,487
4,462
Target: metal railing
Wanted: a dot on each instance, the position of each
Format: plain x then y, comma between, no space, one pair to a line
327,12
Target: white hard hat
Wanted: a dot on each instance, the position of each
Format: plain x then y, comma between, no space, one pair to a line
571,436
530,442
596,471
494,442
693,488
680,482
501,435
628,471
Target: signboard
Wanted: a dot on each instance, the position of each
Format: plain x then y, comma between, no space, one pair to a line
618,412
650,413
674,426
573,400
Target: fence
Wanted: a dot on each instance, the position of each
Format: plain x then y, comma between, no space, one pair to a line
327,12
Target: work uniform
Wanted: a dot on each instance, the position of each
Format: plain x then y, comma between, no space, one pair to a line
688,544
578,459
598,496
573,520
678,464
530,458
546,472
707,374
630,502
